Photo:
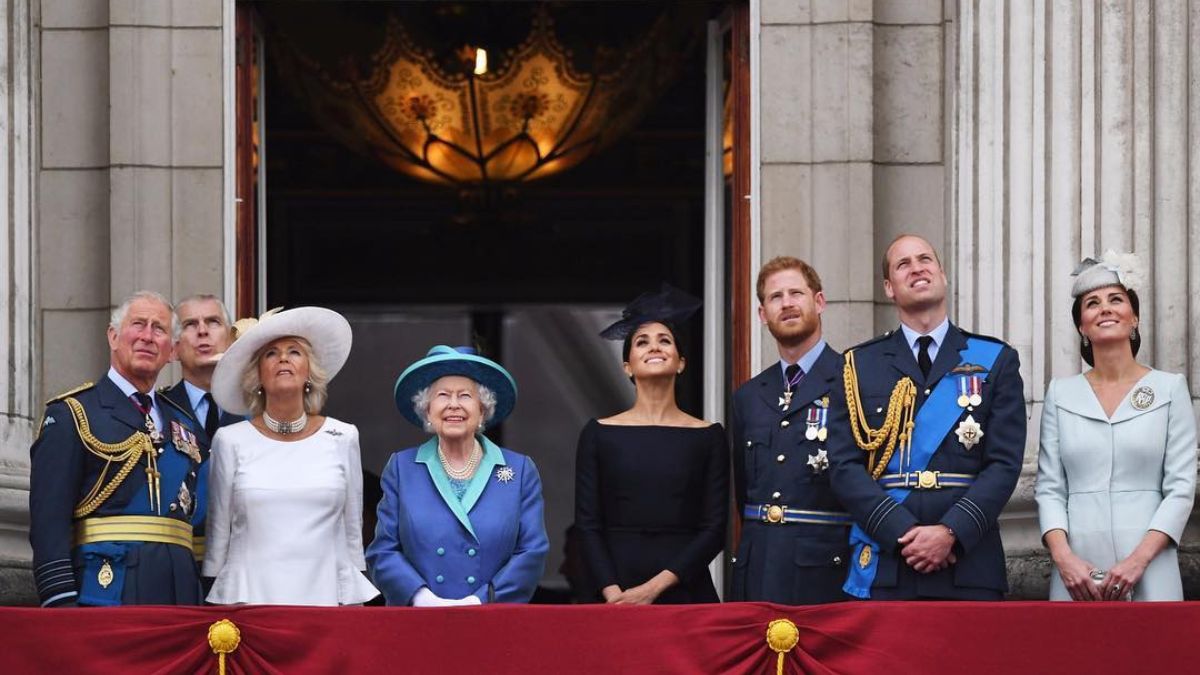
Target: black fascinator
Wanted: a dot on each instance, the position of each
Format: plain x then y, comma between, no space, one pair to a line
667,305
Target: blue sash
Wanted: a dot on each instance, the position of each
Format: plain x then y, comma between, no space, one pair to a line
933,421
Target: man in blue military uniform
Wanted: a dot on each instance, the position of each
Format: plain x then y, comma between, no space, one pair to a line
794,544
203,334
113,475
927,434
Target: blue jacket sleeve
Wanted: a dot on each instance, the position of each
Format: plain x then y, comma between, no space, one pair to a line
391,571
517,578
55,477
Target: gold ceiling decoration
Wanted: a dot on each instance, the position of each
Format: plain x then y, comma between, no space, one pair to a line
532,114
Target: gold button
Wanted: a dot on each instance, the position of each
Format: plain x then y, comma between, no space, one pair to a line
927,480
775,495
780,458
775,514
784,423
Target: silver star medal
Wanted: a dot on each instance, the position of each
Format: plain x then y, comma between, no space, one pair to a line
184,498
785,400
505,474
818,462
969,432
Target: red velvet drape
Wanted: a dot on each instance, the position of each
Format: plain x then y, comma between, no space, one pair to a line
892,638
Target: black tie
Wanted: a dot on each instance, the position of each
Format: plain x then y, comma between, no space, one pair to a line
792,375
143,402
212,419
923,359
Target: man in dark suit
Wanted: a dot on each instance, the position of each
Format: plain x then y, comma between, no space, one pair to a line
927,433
794,545
113,477
203,334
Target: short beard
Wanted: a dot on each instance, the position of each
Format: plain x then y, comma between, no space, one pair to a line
794,337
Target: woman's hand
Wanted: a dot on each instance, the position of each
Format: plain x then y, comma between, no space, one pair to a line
1076,575
647,593
1127,573
611,593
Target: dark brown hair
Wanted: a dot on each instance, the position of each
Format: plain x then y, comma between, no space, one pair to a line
1085,349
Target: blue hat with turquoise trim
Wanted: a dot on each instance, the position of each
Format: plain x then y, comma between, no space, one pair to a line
442,361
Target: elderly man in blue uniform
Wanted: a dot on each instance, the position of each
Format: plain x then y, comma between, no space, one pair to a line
113,476
202,335
794,544
926,440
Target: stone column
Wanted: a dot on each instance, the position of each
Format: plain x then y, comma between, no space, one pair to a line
17,382
1074,130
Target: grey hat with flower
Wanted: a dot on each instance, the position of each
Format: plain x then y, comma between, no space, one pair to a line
1111,269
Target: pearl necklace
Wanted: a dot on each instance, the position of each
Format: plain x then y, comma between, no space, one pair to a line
468,468
285,428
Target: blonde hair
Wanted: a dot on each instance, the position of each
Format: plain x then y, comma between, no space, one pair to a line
315,393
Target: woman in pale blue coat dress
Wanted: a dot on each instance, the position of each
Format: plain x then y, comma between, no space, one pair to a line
1117,467
460,522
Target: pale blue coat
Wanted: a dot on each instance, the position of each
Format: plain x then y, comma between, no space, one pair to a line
491,545
1105,482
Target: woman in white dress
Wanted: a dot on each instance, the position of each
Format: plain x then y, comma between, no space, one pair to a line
1117,467
285,486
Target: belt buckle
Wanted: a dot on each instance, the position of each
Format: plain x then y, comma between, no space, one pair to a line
773,514
928,480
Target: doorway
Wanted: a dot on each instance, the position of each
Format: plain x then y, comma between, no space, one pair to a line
529,272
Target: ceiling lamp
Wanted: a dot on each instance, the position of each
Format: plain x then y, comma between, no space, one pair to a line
484,117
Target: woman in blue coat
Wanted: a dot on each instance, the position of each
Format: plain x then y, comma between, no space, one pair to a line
460,522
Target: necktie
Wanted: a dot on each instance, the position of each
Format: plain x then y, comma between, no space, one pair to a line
211,419
923,359
792,376
142,401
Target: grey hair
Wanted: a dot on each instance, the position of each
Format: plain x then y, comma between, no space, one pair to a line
118,315
314,396
487,404
176,329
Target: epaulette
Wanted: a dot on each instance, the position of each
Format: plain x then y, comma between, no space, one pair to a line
980,336
71,392
877,338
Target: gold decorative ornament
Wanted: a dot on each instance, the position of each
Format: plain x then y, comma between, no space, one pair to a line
775,514
129,451
864,558
224,638
105,576
897,428
927,480
1142,398
782,636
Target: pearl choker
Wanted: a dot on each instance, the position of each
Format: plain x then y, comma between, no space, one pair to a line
285,428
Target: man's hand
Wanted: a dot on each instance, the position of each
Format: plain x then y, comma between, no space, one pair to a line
927,548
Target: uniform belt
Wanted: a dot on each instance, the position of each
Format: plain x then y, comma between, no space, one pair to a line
781,515
134,528
926,480
198,545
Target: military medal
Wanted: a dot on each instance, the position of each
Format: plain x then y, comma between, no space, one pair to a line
185,441
1142,397
184,498
976,390
785,401
819,462
964,398
969,432
813,420
505,474
105,575
823,408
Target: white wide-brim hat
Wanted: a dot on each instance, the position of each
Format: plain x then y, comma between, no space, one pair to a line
327,331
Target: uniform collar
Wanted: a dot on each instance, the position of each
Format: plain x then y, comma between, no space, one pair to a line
127,387
809,359
938,334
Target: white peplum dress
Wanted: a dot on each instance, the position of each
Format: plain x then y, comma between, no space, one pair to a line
285,518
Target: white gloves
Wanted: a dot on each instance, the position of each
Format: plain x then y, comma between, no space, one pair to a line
427,598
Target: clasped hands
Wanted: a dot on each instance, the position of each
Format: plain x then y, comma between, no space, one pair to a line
427,598
928,548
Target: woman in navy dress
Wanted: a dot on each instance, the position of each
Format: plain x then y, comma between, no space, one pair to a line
652,483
